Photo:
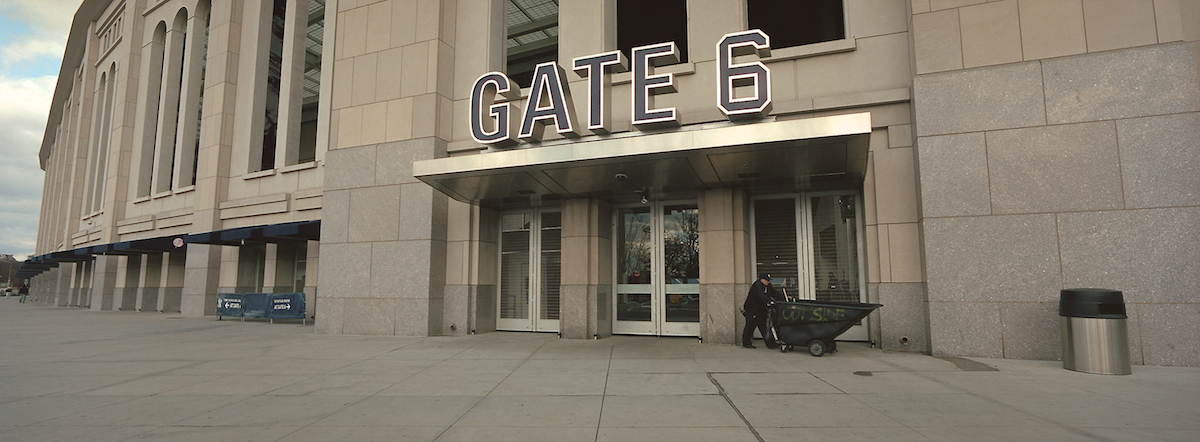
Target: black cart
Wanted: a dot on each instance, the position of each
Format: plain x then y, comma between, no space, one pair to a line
814,323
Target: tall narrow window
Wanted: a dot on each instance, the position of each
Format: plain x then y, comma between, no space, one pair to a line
172,86
155,50
200,98
532,37
795,23
530,270
192,104
514,266
274,76
102,124
641,23
89,202
776,249
313,50
550,266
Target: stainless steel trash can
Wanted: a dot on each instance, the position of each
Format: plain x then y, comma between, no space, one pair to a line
1095,337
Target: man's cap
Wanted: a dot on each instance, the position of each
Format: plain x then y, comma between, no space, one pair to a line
766,276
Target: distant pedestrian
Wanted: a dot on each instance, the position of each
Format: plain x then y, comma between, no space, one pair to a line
24,291
755,310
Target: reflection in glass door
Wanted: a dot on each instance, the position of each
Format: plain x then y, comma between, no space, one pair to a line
810,244
657,270
530,271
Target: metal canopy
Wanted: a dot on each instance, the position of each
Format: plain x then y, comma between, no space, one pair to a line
297,231
139,246
275,233
775,156
78,255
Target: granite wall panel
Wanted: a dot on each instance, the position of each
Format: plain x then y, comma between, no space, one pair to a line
1054,169
997,258
1119,84
1160,160
1168,333
1000,97
1032,330
954,175
904,315
1152,256
965,329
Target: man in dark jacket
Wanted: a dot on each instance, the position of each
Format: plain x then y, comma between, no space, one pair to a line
755,310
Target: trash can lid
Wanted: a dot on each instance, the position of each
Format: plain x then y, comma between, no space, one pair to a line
1091,303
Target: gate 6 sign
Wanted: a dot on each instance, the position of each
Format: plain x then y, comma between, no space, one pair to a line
550,103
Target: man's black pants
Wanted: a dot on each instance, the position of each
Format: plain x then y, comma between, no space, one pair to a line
756,321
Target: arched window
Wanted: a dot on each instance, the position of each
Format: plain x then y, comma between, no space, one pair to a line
292,80
172,86
194,68
102,129
154,52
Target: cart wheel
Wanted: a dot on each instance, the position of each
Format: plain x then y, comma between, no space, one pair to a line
816,348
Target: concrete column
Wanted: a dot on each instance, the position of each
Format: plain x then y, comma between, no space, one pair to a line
132,278
227,281
311,268
469,298
283,268
725,264
172,288
271,263
586,292
151,284
63,275
201,274
81,285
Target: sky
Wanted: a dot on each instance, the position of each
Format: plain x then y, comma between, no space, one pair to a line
33,36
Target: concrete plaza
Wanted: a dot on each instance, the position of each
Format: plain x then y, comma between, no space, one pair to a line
72,374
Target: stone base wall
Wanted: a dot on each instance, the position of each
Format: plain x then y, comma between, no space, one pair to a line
1067,172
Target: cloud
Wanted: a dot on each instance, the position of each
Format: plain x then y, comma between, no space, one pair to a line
23,119
44,17
22,51
37,28
33,36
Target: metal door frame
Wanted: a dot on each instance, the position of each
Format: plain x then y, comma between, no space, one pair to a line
658,325
805,238
534,322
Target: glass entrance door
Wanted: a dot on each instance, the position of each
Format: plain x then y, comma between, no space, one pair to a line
657,270
530,271
810,244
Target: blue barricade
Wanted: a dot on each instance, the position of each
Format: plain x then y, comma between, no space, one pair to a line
287,306
256,305
229,304
261,305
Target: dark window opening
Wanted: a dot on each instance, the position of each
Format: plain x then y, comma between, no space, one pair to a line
532,37
314,48
308,133
170,147
200,97
274,74
797,23
641,23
